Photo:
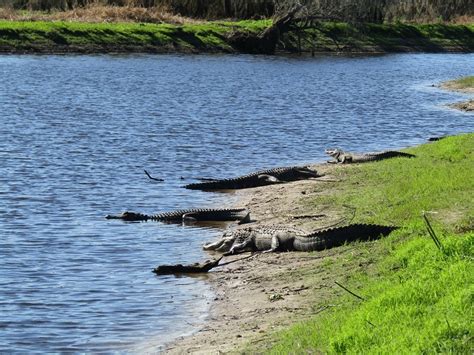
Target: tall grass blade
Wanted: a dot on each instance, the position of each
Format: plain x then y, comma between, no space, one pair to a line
352,293
432,233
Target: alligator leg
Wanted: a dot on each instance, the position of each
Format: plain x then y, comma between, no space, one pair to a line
246,219
274,246
226,245
240,247
189,217
268,178
346,159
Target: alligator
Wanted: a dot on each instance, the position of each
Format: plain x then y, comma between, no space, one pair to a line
437,138
282,238
342,157
259,178
187,269
196,214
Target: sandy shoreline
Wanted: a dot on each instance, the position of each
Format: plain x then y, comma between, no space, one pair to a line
267,292
467,106
453,86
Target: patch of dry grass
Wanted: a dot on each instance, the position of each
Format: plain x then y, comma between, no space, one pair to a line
99,13
462,20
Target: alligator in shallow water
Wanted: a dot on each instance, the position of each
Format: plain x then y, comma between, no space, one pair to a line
259,178
187,269
197,214
342,157
281,238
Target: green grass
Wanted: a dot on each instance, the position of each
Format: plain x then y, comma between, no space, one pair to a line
422,302
417,298
333,36
464,83
396,191
93,36
211,36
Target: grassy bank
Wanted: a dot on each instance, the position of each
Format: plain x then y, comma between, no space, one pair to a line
60,36
16,36
464,85
417,298
396,37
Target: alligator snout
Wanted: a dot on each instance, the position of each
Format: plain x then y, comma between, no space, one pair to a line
128,216
307,172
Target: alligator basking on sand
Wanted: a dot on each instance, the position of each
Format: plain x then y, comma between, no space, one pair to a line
281,238
342,157
197,214
259,178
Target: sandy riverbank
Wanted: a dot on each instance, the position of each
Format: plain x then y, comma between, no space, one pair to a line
454,85
467,106
260,295
266,292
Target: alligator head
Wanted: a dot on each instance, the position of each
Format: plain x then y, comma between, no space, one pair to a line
334,152
222,245
228,239
128,216
306,172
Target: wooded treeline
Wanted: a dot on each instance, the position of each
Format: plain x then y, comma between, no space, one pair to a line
376,11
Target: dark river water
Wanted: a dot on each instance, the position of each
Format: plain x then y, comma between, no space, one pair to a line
77,131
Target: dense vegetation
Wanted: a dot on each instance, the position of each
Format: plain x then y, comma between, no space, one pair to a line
346,10
417,297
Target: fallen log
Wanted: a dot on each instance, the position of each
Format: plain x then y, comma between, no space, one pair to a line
266,41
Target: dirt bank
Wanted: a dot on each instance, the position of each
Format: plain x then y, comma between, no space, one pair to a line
454,86
265,292
459,86
467,106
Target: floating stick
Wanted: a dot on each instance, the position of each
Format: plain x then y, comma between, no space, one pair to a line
152,178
